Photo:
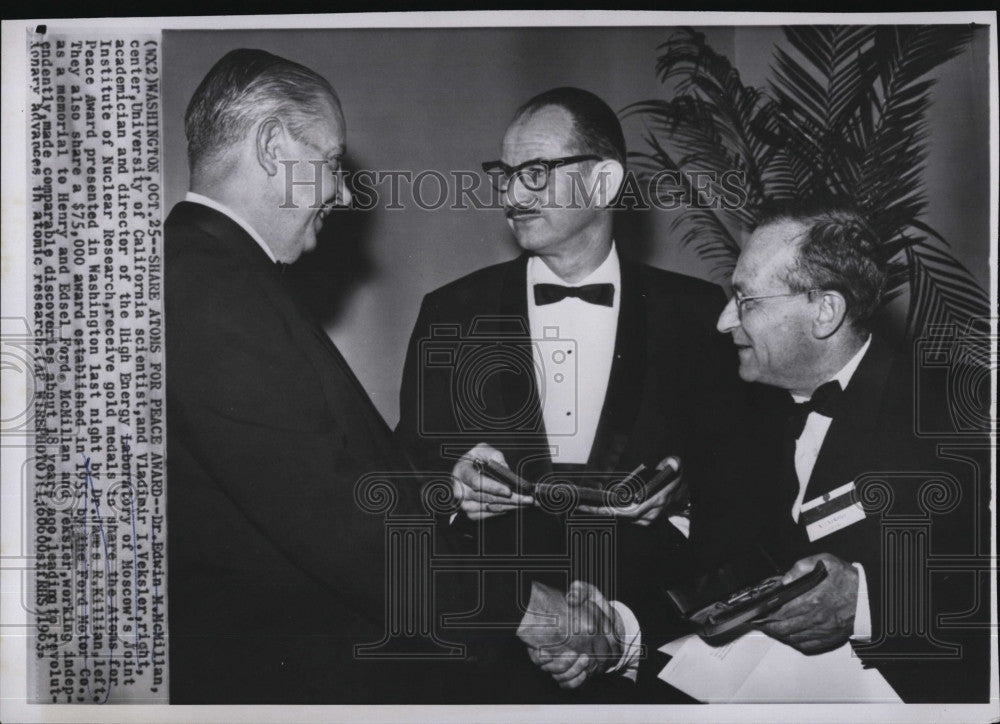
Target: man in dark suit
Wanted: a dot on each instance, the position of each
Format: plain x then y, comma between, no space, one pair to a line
570,360
858,487
276,572
899,520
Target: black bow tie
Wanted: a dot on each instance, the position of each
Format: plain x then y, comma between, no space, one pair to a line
603,294
824,401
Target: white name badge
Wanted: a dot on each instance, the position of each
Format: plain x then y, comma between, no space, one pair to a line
831,512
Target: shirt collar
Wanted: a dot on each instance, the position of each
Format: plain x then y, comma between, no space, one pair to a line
609,272
222,209
847,371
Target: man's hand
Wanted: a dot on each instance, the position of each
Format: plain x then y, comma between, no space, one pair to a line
822,618
672,499
479,495
594,643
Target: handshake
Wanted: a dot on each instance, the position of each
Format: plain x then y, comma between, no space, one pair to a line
573,636
578,635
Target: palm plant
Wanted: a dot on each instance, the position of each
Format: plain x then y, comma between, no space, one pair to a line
845,116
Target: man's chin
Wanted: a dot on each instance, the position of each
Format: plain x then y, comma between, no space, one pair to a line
527,241
748,373
309,239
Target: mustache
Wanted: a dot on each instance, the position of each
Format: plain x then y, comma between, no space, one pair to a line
512,212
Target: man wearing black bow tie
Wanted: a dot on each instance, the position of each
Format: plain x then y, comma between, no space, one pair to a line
574,359
856,485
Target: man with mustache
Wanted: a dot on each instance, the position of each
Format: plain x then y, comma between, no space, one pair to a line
574,360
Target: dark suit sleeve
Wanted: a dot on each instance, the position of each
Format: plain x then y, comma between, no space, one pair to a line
429,429
251,415
724,463
411,408
427,419
929,615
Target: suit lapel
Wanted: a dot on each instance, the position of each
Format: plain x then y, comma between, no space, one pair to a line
233,238
236,242
622,400
320,335
519,392
356,404
847,441
623,397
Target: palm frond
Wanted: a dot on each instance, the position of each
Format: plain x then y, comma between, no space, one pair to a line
701,228
940,291
708,78
845,112
704,147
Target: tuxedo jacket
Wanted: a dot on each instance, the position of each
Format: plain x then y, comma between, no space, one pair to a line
925,530
275,571
672,390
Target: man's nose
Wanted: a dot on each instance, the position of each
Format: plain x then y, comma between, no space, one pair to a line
516,194
729,319
342,194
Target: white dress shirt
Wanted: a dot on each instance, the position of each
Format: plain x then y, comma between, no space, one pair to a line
223,209
573,349
807,449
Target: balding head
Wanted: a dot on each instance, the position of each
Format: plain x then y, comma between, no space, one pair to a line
594,126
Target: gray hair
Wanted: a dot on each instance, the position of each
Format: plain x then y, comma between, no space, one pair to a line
839,251
245,87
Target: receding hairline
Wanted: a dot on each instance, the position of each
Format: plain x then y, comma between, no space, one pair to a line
524,115
834,248
765,248
570,128
533,110
338,113
798,232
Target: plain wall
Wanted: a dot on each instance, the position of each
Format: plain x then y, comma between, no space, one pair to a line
440,99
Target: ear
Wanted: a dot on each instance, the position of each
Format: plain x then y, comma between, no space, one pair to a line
609,176
831,313
270,134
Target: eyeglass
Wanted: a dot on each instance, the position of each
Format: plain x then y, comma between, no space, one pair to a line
534,174
741,300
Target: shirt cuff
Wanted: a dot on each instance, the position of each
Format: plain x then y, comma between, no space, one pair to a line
631,641
681,523
863,613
